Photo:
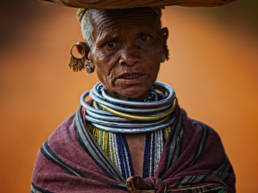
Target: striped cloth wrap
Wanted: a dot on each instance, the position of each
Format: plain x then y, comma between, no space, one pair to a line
193,160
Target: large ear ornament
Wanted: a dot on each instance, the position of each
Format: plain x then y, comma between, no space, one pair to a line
77,63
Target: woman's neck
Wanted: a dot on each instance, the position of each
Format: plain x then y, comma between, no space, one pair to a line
143,97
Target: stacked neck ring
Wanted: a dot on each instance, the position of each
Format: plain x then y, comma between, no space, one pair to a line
122,116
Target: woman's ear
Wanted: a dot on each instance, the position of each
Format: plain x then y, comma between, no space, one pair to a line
77,63
164,34
83,49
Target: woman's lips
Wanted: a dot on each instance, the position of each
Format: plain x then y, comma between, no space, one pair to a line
131,77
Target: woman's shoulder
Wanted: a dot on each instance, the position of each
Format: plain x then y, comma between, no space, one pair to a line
63,130
197,126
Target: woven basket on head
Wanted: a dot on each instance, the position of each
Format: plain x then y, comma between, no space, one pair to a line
120,4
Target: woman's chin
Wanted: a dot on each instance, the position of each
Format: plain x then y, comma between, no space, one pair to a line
132,93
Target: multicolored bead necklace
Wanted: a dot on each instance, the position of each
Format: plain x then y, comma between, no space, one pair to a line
108,119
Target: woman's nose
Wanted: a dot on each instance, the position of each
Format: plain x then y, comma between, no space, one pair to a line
129,56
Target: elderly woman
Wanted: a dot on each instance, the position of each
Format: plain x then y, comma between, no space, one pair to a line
129,135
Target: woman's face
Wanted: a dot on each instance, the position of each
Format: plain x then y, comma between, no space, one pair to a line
126,51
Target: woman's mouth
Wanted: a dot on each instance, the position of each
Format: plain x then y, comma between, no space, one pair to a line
131,78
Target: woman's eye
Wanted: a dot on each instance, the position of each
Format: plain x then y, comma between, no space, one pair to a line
110,44
145,37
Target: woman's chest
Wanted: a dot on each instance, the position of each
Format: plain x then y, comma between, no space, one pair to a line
136,144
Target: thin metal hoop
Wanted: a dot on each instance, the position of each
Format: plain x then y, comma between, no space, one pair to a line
170,95
107,114
71,52
134,130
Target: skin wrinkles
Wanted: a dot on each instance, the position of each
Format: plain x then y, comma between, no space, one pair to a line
126,51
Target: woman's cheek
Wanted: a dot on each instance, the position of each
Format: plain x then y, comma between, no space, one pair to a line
153,48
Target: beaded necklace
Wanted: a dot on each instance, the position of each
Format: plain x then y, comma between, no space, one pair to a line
108,119
116,148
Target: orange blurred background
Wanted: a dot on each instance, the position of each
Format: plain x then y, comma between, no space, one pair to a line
212,67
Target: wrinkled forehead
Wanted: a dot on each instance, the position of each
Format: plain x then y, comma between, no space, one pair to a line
131,18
